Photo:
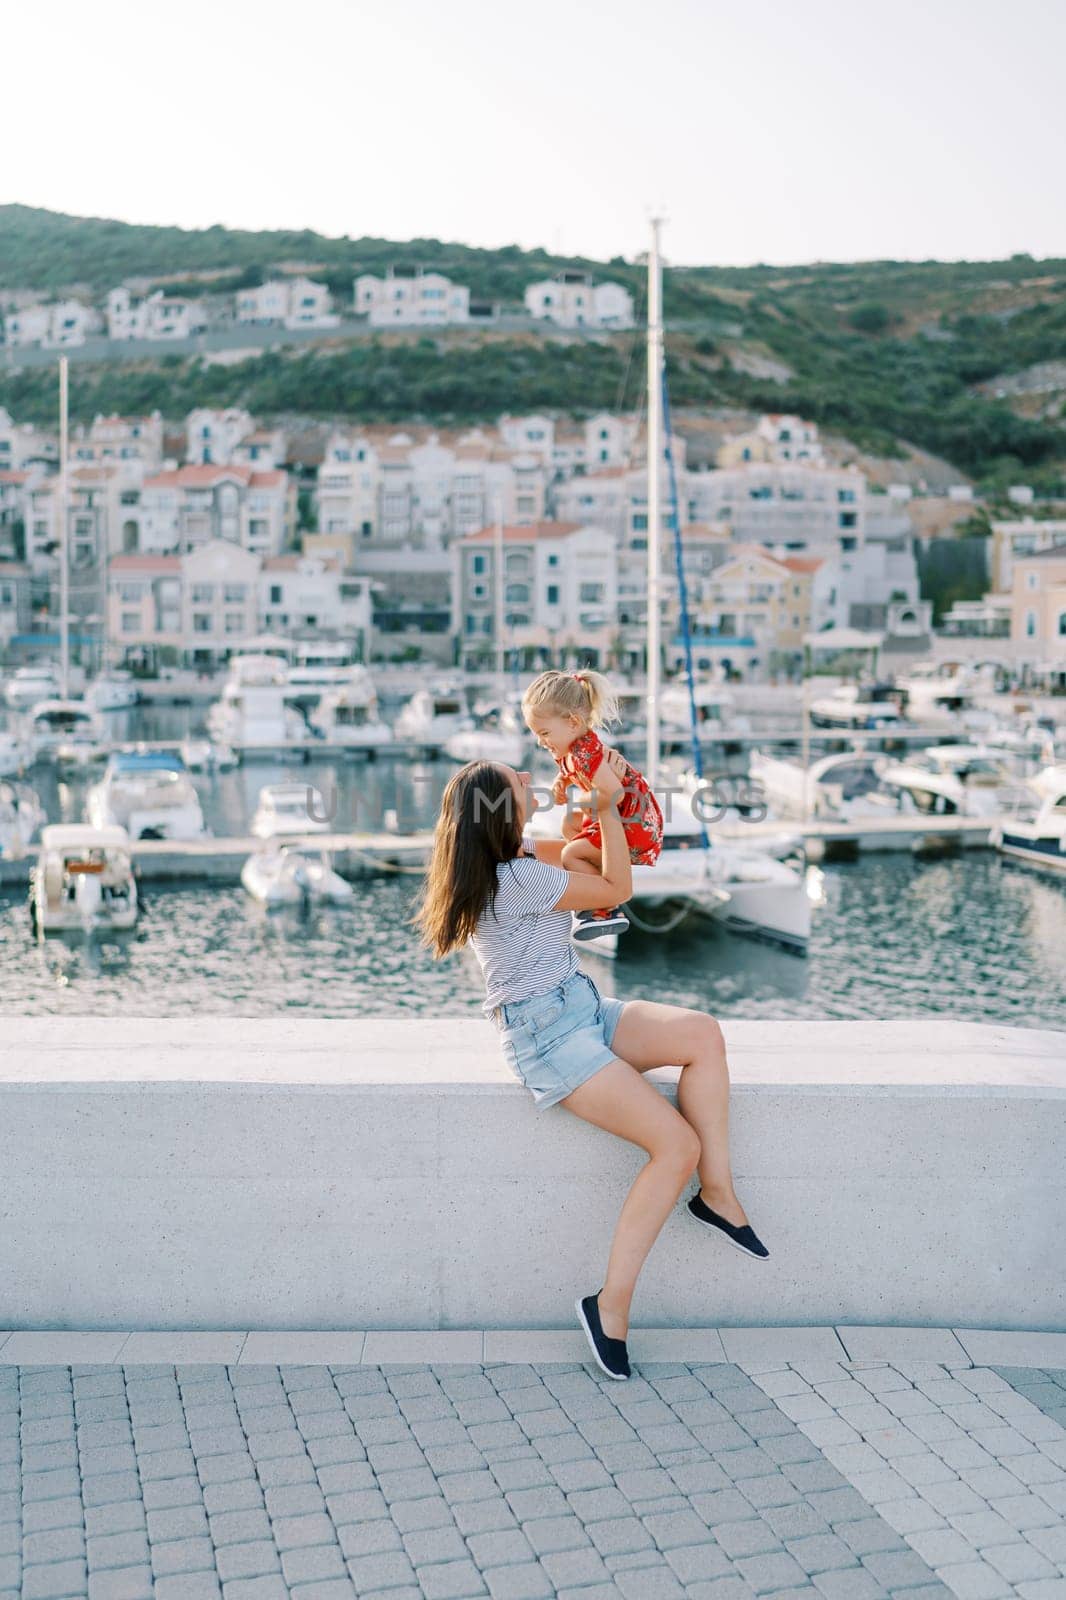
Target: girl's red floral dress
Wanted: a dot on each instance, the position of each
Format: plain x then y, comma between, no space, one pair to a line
642,821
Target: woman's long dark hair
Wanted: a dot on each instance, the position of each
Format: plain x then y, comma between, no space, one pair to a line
478,827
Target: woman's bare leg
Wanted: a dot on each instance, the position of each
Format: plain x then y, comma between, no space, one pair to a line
618,1099
651,1035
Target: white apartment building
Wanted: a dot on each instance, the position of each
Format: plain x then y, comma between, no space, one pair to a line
187,507
800,506
15,599
559,595
603,440
295,302
137,441
56,326
22,445
212,437
312,592
416,296
424,492
572,300
153,316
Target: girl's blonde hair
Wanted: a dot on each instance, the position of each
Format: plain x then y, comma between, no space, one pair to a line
584,694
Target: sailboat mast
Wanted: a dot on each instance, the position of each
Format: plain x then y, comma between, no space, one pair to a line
501,664
654,459
64,568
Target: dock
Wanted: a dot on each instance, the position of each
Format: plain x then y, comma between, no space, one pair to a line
355,855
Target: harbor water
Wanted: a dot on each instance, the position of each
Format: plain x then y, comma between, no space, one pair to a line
969,936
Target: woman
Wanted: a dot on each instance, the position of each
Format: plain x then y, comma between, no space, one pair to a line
507,895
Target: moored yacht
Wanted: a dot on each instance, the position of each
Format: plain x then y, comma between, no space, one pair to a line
1037,833
66,731
113,691
434,713
251,713
149,793
29,685
955,779
498,734
83,878
857,705
21,814
347,714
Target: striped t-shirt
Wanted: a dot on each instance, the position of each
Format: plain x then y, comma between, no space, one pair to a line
522,944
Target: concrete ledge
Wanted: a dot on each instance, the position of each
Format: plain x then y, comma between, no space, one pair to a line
285,1174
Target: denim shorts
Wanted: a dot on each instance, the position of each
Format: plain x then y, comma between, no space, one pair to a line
555,1041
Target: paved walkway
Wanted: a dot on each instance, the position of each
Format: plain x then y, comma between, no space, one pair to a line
845,1479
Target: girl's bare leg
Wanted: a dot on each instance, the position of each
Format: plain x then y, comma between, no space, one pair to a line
580,855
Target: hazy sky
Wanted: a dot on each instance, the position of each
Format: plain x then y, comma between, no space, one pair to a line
780,131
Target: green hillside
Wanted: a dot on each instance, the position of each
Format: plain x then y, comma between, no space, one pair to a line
890,354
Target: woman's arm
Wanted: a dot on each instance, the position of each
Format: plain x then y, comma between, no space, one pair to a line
613,884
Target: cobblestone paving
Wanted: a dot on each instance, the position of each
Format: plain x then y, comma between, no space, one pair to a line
839,1480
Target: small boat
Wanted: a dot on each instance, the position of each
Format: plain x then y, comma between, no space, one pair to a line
15,752
113,691
149,793
937,691
289,809
66,731
1037,833
857,705
29,685
434,713
715,712
21,814
282,876
348,715
82,879
498,734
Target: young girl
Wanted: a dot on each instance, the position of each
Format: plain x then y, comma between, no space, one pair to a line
492,885
562,710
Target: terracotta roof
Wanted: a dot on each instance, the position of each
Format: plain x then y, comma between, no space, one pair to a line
201,476
14,569
802,563
535,530
291,562
144,563
13,477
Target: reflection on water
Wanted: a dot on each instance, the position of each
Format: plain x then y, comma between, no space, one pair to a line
969,938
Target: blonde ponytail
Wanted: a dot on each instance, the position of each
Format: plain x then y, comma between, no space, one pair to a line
584,694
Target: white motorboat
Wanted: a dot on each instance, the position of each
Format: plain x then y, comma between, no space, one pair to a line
66,731
150,794
252,712
82,879
282,875
201,755
348,715
113,691
434,713
289,809
935,692
15,752
1037,832
499,734
840,788
955,780
21,814
29,685
857,705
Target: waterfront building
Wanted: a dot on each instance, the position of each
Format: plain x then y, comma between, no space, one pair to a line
1038,605
184,507
300,592
559,595
1016,540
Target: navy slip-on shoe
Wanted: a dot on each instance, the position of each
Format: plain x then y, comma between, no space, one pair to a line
744,1238
611,1355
